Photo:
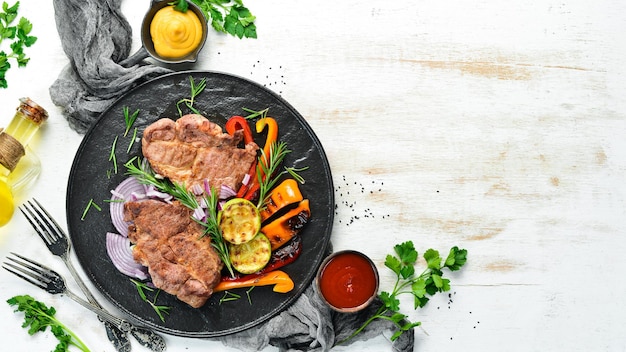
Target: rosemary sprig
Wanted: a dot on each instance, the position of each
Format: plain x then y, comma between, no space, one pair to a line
145,175
160,310
129,119
112,156
212,229
132,141
229,296
196,89
89,205
254,113
268,165
294,173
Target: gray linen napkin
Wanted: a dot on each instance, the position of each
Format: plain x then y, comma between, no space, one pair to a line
96,37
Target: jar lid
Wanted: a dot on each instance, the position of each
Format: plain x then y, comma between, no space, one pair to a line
32,111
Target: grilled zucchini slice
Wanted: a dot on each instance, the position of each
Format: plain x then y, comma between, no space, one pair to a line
252,256
239,221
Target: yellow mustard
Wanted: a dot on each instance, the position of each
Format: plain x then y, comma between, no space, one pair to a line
175,34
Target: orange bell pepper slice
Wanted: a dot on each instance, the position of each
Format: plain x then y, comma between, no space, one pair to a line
280,279
282,229
286,193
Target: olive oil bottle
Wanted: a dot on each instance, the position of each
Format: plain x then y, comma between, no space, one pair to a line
19,166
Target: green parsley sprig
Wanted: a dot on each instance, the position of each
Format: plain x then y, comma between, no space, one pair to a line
225,16
19,37
38,317
428,283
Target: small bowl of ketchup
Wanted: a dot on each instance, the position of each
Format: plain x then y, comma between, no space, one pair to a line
347,281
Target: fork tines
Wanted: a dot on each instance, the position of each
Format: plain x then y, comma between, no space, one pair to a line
44,224
35,273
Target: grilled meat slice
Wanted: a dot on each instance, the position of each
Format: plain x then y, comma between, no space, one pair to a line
180,260
193,149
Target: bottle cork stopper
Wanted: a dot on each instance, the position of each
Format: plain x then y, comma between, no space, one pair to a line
32,111
11,150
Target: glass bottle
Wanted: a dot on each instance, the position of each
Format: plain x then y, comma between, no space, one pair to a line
19,166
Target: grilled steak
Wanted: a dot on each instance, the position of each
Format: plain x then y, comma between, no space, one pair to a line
194,149
169,242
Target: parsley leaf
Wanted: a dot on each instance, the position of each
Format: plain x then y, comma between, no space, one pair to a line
180,5
229,16
428,283
19,38
38,317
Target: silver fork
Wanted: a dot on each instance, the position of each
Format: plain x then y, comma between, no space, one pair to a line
50,281
59,244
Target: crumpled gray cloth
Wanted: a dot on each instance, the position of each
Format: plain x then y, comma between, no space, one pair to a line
95,36
310,325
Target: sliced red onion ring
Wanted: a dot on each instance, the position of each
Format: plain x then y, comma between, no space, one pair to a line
197,190
199,214
227,192
118,249
125,191
152,192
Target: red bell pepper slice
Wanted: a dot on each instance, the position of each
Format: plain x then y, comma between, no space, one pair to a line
234,124
239,123
270,140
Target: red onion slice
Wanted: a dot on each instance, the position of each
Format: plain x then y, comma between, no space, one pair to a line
127,190
121,254
227,192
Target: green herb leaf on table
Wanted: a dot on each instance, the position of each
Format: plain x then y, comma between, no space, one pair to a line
38,317
229,16
180,5
19,38
428,283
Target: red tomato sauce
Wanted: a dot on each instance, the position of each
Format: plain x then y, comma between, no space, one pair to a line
348,280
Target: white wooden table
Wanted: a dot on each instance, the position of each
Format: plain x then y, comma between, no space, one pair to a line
495,126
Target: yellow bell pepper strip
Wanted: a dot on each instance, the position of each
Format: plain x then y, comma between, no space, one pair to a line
280,279
270,139
285,194
272,135
282,229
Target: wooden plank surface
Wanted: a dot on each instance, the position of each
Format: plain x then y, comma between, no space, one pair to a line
495,126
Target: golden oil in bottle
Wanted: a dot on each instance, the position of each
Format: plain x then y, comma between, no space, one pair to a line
16,172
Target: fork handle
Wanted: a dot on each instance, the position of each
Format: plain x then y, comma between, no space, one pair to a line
122,324
80,282
147,338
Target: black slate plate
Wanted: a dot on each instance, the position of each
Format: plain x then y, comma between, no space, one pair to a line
92,177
